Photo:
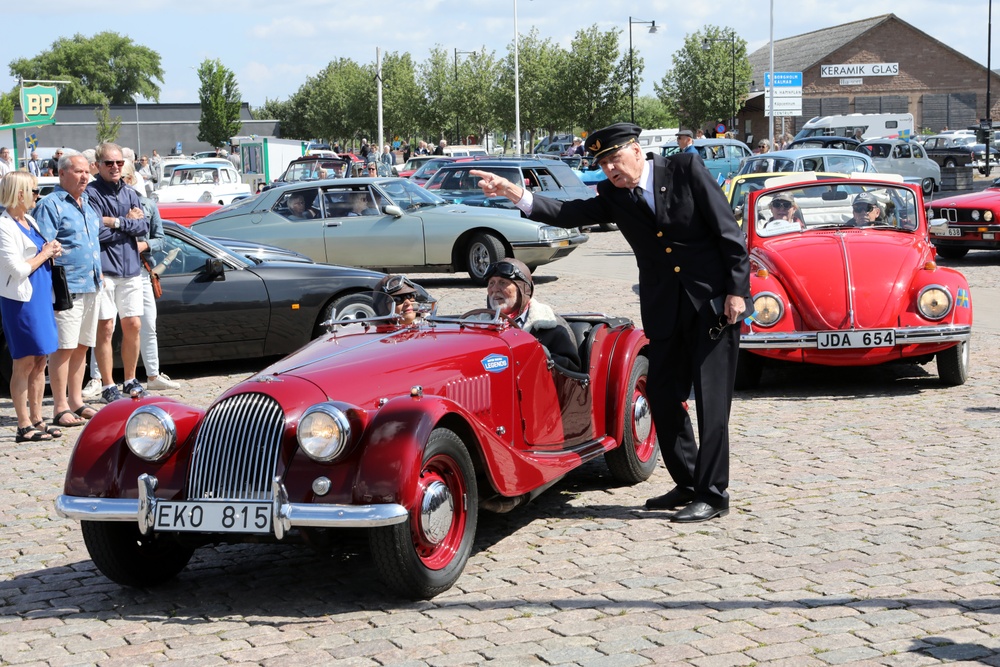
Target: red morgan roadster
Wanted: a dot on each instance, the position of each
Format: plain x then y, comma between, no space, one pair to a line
406,430
843,274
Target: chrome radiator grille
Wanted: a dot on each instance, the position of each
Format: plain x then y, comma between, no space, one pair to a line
237,448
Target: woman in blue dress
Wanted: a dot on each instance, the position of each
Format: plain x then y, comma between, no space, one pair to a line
29,323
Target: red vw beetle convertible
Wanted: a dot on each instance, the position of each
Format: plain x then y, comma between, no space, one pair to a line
407,430
843,274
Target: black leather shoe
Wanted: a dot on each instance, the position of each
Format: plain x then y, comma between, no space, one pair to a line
673,499
699,511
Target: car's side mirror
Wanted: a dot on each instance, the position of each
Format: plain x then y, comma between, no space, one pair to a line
393,210
937,225
215,268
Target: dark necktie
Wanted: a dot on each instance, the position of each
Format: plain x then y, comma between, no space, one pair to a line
640,201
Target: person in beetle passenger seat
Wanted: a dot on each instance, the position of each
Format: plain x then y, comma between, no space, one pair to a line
510,288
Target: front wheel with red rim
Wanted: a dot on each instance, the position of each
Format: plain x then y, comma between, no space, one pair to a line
634,460
426,554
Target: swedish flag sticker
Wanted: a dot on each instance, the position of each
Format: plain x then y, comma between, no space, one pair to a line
963,298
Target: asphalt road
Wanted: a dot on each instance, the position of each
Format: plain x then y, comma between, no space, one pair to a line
865,531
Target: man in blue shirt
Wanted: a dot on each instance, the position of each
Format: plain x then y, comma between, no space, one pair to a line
123,221
685,140
65,215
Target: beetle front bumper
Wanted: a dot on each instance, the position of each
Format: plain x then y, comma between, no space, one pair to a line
285,515
903,336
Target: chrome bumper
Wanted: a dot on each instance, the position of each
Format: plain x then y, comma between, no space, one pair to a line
903,336
285,515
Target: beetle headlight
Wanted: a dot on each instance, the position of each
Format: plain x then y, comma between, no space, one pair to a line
150,433
934,302
768,309
547,233
206,196
324,432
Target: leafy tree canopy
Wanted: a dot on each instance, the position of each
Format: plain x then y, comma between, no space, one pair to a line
220,104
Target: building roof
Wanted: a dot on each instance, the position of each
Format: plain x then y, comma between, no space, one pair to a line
799,53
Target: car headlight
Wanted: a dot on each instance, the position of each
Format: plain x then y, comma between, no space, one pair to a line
206,196
323,432
768,309
546,233
150,433
934,302
975,216
988,216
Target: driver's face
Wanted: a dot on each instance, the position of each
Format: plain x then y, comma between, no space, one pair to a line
865,213
406,309
502,294
297,204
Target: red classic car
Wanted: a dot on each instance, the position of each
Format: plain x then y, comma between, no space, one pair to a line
843,274
407,430
972,222
186,212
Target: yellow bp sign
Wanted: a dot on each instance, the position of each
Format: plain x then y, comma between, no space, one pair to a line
39,102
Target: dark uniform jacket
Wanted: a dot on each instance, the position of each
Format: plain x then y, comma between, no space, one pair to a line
692,245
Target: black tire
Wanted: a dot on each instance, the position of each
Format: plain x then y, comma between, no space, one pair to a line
953,365
950,162
749,368
952,251
411,559
483,250
125,557
348,307
634,460
927,186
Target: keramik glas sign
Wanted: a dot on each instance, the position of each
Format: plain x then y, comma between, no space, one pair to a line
859,69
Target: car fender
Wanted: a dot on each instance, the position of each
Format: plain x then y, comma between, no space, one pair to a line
394,448
102,464
629,345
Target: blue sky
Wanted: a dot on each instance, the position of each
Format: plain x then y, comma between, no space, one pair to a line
274,46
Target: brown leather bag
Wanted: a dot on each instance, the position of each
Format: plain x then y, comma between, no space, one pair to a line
154,278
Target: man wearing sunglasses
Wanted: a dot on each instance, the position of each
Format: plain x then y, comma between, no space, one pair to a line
866,210
510,288
784,214
693,270
123,222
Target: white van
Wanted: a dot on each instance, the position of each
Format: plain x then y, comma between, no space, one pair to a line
657,137
872,126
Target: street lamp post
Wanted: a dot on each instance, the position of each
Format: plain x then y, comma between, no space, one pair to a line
631,65
458,134
706,44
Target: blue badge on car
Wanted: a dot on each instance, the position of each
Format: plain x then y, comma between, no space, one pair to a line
495,363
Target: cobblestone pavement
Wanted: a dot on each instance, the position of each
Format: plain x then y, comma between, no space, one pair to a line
864,531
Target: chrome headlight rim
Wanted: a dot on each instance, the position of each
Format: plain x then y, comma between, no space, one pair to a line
333,448
205,197
987,216
944,290
169,433
777,299
975,215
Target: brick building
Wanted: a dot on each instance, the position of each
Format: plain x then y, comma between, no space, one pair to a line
927,78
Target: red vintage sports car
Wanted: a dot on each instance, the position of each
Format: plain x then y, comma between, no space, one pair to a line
843,274
407,430
971,222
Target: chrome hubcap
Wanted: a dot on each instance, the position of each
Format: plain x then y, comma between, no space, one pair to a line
642,419
437,510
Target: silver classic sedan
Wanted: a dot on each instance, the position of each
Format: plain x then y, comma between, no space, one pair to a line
388,224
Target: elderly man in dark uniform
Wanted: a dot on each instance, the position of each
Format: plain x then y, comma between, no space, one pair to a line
694,278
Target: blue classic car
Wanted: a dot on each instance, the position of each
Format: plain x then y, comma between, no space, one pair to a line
721,156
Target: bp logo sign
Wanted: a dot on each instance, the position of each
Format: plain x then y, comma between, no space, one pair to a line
39,102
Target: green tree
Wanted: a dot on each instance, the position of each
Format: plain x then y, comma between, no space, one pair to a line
401,96
104,68
108,126
603,98
475,98
651,113
438,75
220,104
700,86
538,65
7,109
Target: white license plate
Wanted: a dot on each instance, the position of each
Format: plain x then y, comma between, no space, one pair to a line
989,236
841,340
952,231
213,517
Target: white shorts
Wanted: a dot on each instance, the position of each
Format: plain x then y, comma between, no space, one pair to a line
121,297
78,325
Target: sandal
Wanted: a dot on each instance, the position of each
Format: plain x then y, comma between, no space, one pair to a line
51,430
59,419
36,435
82,411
